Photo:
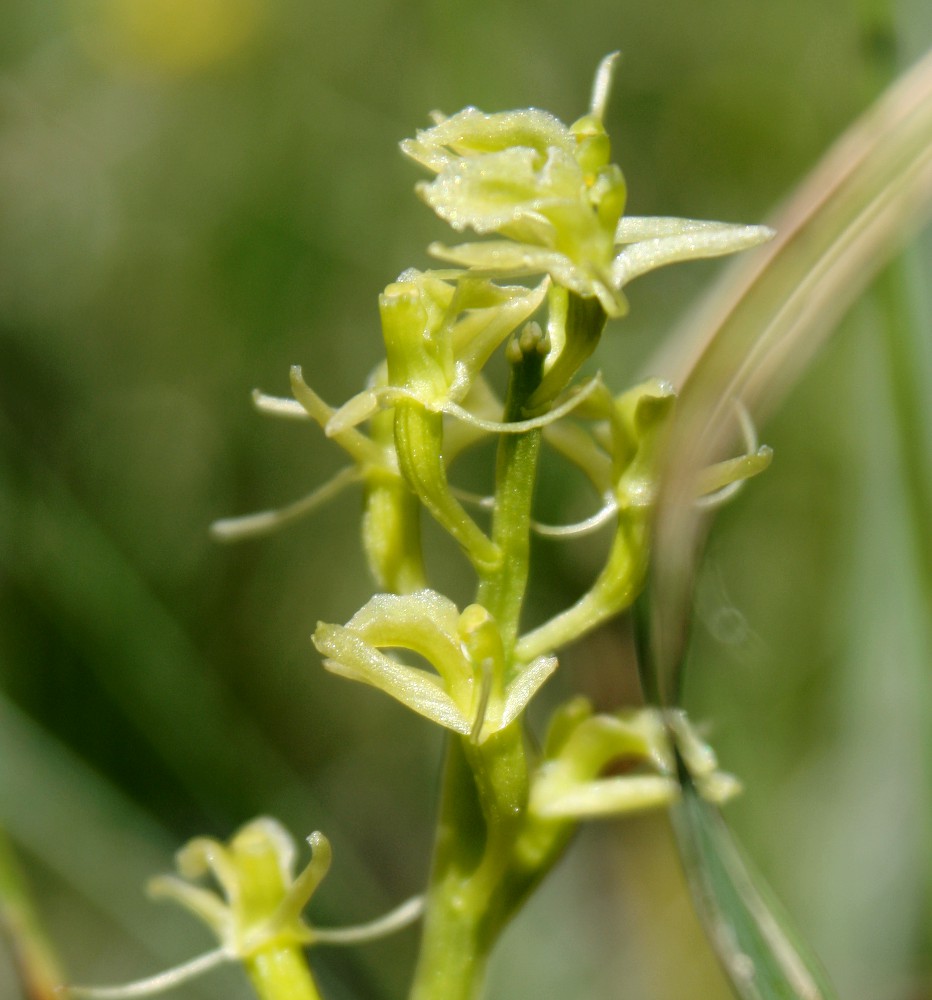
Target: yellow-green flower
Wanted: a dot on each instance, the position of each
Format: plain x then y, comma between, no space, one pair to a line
468,692
256,915
551,193
571,781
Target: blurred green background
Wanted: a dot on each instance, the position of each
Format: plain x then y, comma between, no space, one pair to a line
195,194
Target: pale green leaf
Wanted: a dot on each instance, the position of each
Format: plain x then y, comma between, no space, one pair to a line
761,953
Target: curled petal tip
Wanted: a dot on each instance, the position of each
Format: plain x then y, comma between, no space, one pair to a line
602,85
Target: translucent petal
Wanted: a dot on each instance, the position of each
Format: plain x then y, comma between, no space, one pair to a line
425,622
353,658
416,689
636,228
500,257
523,688
483,193
608,797
711,240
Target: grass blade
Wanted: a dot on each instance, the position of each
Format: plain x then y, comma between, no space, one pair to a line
761,954
35,960
755,336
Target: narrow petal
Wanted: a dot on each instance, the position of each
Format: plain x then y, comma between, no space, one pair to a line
359,447
581,528
608,797
574,399
403,915
602,86
523,688
276,406
201,902
232,529
204,855
358,409
721,481
647,255
353,658
305,885
159,983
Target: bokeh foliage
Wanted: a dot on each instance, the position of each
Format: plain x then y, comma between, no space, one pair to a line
194,196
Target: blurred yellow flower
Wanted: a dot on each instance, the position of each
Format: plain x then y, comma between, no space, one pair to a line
169,37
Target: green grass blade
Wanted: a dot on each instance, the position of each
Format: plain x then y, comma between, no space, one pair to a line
760,952
36,963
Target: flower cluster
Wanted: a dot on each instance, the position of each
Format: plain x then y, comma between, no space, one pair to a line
547,205
572,780
554,202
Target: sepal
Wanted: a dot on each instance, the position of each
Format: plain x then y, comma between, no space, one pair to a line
649,243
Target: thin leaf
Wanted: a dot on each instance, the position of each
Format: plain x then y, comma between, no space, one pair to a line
35,959
762,956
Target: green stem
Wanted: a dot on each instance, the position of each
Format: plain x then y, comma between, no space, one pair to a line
36,963
614,590
453,954
501,590
485,786
281,974
487,857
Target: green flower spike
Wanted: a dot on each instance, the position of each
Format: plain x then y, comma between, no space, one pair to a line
550,191
257,914
572,781
469,692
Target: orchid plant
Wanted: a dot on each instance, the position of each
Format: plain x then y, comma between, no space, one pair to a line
553,254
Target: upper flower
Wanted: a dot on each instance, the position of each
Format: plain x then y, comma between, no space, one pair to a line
552,193
548,189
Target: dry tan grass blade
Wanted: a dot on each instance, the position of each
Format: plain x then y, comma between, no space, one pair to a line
756,333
